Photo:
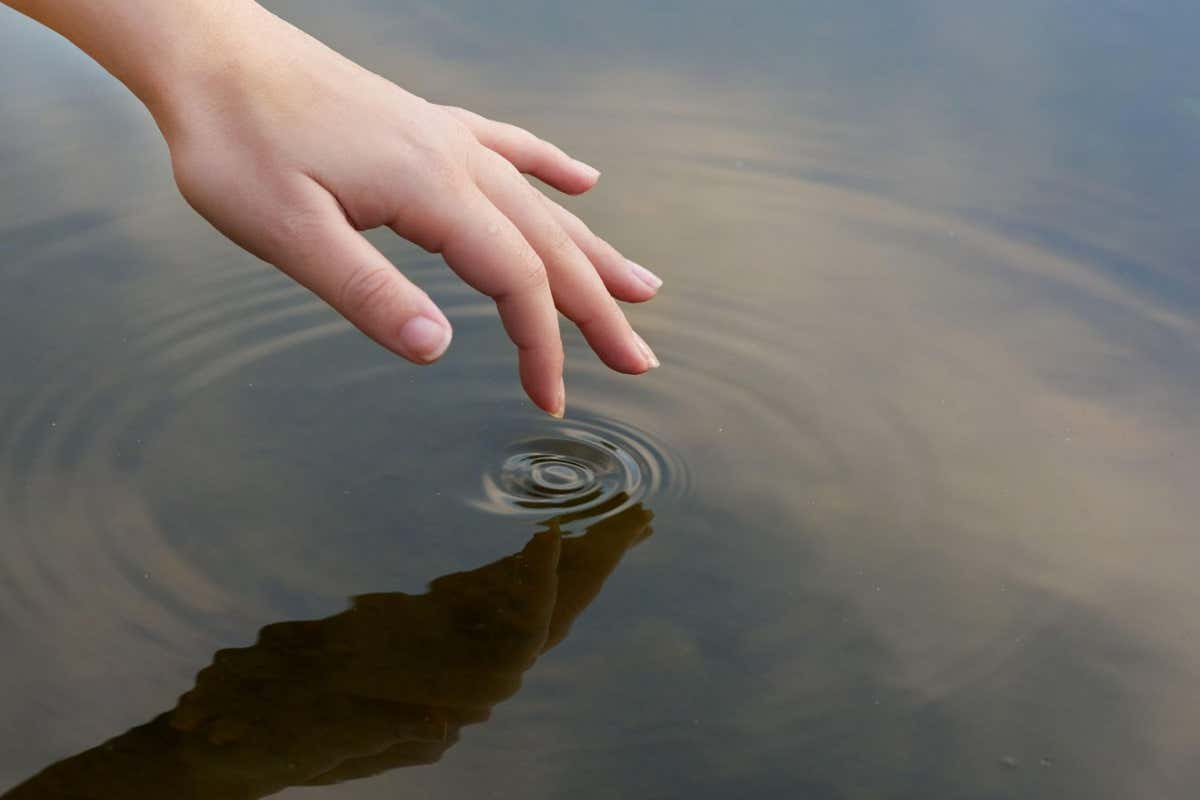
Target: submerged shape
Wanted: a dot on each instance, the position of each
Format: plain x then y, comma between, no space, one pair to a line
387,683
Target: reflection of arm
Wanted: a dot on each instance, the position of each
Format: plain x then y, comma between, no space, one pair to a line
587,561
584,563
387,683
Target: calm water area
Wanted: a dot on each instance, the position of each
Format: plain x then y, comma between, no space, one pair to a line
910,510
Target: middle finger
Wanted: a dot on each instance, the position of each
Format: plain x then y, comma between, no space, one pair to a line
579,293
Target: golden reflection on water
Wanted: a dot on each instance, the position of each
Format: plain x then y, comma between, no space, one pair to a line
388,683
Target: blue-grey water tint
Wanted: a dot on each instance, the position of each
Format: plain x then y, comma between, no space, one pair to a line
909,511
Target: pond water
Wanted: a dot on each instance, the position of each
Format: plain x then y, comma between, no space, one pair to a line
909,510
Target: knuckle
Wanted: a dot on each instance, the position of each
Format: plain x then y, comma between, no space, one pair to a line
577,226
442,167
287,228
533,275
560,242
597,311
434,156
540,153
525,140
459,134
366,290
504,167
606,250
293,224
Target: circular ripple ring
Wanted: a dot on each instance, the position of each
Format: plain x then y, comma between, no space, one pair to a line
579,475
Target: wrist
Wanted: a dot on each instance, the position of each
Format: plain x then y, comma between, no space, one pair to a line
189,48
158,49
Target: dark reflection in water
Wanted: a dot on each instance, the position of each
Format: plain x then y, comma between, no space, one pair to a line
387,683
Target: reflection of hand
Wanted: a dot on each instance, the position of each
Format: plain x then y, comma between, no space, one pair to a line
387,683
290,149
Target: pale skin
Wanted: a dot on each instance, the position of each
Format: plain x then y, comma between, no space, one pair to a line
291,150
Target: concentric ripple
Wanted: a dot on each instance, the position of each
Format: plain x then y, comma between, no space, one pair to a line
584,472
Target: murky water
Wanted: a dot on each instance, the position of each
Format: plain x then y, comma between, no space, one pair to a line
909,511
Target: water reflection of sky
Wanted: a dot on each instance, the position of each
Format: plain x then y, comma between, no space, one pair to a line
931,346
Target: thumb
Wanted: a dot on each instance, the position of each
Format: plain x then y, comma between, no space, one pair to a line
337,263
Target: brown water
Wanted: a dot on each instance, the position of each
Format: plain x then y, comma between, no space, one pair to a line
909,511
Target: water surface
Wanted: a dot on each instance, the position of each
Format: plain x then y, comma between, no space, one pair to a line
909,511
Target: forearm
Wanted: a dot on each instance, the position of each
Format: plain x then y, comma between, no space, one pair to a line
149,45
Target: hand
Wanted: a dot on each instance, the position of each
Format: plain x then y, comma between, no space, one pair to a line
290,150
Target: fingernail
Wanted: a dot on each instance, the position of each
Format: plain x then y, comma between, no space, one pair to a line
647,352
645,276
424,338
560,407
591,172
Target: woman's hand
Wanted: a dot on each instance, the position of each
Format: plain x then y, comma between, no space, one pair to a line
290,150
